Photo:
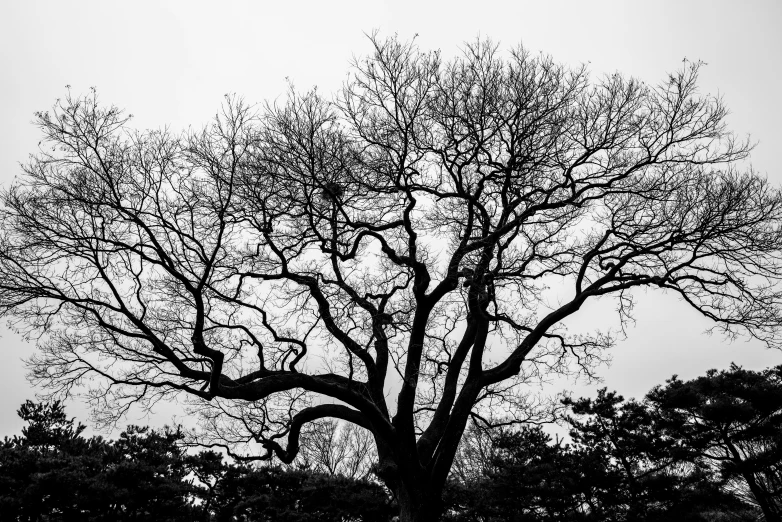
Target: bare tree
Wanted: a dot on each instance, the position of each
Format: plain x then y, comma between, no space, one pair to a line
336,448
381,258
475,453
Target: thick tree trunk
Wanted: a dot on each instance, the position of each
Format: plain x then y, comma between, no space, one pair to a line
418,494
420,506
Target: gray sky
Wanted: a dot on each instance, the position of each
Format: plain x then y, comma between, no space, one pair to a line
171,62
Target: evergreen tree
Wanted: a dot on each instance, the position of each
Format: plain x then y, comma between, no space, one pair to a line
732,420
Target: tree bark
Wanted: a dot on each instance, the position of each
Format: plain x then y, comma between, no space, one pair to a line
419,506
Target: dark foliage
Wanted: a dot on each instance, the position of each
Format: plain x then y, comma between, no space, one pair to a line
699,450
529,479
53,473
731,420
272,494
706,449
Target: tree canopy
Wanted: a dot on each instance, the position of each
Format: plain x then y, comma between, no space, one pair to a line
381,256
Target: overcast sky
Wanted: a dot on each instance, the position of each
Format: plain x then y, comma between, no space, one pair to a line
170,63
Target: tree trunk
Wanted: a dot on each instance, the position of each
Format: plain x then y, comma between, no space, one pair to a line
761,499
419,506
418,499
749,477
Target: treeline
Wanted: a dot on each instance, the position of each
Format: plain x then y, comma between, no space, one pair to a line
705,449
53,473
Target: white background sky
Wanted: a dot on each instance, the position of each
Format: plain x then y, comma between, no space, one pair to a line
171,62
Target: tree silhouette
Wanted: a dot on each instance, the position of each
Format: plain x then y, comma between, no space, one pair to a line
629,470
530,479
52,472
733,420
619,466
313,258
47,425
